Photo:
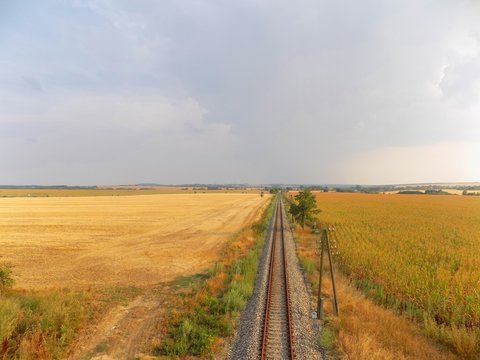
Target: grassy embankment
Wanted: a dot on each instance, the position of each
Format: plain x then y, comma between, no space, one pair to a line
365,330
209,311
43,325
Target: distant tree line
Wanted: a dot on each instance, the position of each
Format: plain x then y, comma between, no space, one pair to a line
427,192
364,189
475,187
466,193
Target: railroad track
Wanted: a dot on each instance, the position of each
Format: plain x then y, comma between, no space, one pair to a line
277,340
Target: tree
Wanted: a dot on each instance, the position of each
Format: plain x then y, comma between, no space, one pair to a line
305,207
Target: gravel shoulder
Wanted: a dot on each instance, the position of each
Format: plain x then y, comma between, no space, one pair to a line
306,330
246,343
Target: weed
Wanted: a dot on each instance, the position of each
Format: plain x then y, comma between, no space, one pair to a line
328,337
308,265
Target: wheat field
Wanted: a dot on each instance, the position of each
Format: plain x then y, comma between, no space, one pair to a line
417,254
80,242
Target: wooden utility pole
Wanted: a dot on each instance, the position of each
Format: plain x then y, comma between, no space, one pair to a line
325,245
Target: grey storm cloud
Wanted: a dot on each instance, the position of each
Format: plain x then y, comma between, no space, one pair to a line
252,91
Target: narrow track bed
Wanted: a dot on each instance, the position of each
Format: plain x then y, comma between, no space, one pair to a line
248,341
277,337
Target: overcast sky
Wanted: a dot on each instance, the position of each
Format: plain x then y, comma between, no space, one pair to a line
110,92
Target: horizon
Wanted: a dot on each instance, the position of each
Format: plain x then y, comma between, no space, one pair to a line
273,184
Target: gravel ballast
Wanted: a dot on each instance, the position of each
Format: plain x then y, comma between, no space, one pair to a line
247,341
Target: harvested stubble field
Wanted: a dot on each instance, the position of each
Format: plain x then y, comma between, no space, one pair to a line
119,191
415,254
99,241
121,263
84,192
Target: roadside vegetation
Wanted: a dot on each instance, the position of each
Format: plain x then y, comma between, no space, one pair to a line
414,255
209,311
39,326
43,325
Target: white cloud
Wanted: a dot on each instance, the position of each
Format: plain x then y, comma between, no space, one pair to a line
239,88
444,161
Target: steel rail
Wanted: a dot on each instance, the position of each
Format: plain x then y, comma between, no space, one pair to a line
286,290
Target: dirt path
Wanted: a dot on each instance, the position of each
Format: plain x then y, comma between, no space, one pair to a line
126,331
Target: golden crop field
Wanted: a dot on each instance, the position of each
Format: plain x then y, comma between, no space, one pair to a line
83,241
119,191
417,254
85,192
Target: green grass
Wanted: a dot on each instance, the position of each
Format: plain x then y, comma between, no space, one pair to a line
309,266
190,281
328,336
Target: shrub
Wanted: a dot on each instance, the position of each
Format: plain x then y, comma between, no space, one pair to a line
6,280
